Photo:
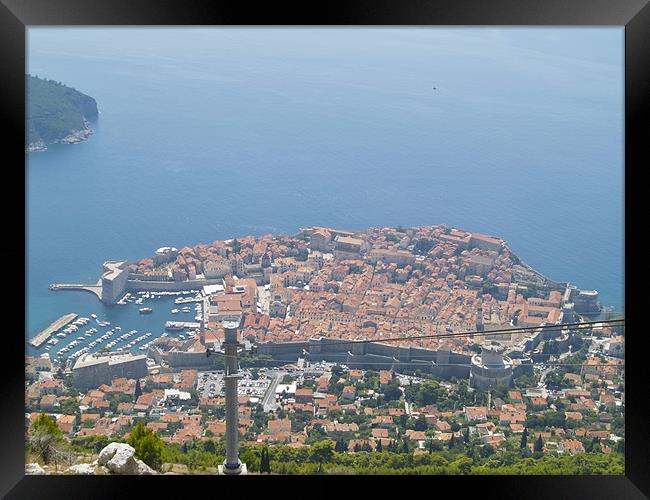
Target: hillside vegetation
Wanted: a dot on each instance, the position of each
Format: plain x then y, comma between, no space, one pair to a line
55,112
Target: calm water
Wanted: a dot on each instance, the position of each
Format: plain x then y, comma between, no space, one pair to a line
207,134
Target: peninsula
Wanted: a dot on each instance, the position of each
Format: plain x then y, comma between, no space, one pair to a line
56,113
436,275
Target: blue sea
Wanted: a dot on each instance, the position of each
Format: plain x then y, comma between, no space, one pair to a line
210,133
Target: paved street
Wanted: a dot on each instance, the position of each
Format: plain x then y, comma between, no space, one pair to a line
264,299
268,401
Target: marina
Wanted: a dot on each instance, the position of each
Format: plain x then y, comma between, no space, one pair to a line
180,325
74,335
57,325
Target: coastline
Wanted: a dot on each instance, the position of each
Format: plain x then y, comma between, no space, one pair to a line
74,137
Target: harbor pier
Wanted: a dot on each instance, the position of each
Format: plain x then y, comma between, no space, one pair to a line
45,334
95,289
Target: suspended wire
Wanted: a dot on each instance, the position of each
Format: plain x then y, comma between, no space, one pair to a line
579,325
417,362
504,331
586,324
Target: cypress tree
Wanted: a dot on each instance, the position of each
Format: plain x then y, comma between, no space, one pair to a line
265,464
594,445
138,389
379,447
452,442
524,439
539,444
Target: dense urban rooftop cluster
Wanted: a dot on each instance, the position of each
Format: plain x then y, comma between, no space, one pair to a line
574,408
379,284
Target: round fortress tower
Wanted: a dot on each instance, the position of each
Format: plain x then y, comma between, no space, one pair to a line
491,368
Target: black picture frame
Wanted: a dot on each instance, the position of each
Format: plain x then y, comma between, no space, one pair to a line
17,15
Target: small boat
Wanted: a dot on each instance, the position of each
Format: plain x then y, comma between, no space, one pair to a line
145,310
175,311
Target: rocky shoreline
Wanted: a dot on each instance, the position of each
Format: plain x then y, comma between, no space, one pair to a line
74,137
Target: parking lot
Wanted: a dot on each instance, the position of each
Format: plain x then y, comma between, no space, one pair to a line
253,388
210,384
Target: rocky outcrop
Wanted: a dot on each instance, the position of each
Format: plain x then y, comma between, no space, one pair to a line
116,458
34,469
119,458
74,137
37,146
77,136
82,469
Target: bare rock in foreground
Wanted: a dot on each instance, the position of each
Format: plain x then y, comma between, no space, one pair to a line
82,469
34,469
119,458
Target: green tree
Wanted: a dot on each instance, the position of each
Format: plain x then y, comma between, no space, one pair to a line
322,452
138,390
70,406
265,462
337,370
392,391
420,423
47,424
524,439
539,444
209,446
486,450
620,446
148,445
466,435
46,440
